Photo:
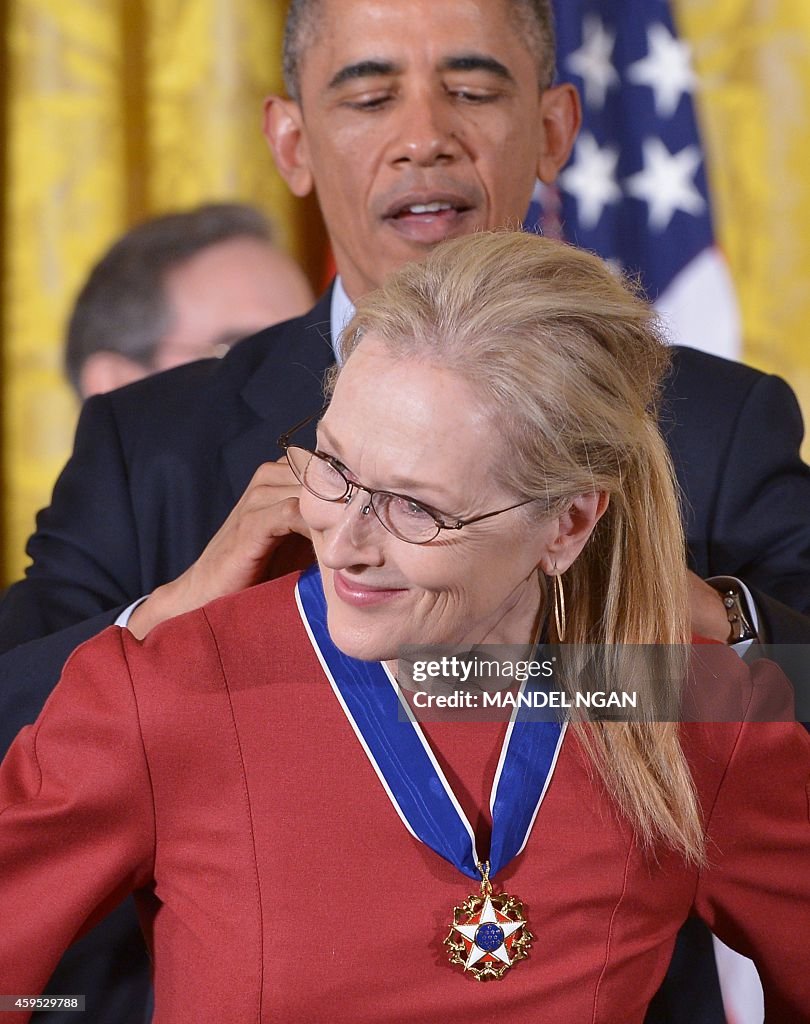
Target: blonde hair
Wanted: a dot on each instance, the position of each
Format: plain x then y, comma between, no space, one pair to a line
568,362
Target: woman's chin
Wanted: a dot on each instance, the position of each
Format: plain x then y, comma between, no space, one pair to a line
363,651
363,644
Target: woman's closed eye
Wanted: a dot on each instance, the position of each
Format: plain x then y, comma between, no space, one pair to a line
335,463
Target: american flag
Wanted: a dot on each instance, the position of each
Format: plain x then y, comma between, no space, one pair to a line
635,190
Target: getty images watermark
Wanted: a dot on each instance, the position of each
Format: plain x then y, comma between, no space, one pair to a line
597,682
470,682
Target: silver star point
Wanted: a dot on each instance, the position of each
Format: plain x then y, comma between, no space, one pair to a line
488,916
591,179
667,69
593,61
667,183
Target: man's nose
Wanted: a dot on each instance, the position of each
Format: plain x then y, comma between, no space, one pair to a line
426,131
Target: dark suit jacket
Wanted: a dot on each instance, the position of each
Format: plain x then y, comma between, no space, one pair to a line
158,465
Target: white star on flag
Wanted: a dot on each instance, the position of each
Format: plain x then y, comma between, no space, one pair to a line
639,84
591,179
592,61
667,182
505,927
667,69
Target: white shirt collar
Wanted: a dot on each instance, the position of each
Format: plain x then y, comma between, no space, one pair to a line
341,312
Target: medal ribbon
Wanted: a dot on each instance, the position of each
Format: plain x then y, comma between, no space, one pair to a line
400,755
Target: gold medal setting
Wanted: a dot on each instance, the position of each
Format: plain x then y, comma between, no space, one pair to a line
489,933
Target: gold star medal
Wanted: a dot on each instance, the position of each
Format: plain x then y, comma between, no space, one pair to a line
489,933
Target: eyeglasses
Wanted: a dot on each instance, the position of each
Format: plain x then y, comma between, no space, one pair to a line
409,520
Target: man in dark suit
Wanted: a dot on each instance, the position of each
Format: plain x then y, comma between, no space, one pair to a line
415,121
407,143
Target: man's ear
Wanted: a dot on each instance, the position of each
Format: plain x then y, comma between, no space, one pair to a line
284,131
561,115
574,528
106,371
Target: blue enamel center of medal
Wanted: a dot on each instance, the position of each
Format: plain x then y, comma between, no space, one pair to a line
489,936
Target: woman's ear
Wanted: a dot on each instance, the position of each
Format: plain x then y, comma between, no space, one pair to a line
286,136
574,528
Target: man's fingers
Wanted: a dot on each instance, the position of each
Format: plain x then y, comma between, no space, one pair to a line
264,496
238,554
273,474
294,519
276,518
260,519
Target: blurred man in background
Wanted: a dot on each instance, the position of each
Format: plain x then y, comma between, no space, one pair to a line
179,287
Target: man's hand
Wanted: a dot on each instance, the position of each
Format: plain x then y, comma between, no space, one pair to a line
708,613
237,555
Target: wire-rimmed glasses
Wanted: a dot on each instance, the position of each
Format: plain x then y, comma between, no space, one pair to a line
404,517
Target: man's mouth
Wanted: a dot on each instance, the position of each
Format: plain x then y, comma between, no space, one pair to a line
428,221
422,208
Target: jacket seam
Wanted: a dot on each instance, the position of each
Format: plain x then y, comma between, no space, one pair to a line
246,792
609,939
143,748
707,829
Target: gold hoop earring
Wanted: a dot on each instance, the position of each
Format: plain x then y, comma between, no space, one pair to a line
559,604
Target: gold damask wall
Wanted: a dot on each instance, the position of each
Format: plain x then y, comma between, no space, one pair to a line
117,109
753,60
64,199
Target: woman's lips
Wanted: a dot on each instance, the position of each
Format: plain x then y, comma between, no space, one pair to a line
362,594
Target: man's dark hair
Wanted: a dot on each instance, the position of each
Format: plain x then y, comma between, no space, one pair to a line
122,306
534,19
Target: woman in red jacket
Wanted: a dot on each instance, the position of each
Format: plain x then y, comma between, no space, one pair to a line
488,471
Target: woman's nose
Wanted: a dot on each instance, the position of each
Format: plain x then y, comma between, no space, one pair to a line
365,506
356,535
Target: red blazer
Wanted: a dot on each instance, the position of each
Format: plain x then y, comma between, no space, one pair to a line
211,770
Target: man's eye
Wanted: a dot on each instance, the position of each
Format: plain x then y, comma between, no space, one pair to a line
473,95
369,102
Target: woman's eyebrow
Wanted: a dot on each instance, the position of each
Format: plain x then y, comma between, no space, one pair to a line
401,485
323,430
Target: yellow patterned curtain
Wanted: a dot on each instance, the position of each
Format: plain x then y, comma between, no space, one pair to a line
753,62
64,200
113,110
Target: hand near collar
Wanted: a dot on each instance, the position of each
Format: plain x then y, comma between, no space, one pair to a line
239,554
